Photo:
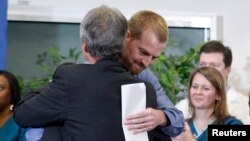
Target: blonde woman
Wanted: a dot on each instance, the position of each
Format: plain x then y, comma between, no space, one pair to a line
207,104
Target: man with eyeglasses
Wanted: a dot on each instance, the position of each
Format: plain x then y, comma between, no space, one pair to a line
215,54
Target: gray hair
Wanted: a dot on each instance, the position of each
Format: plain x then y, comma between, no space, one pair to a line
104,29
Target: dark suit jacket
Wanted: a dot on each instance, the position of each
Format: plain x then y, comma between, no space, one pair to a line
85,99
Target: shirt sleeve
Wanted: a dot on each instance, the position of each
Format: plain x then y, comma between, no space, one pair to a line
34,134
174,115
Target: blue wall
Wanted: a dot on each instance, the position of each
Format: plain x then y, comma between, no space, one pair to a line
3,32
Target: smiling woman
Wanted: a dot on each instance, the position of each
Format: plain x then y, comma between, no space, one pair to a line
207,104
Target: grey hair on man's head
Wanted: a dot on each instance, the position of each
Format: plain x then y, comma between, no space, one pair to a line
104,29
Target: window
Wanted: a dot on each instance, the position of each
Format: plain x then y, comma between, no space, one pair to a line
31,33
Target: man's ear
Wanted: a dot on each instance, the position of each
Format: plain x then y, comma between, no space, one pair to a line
228,69
85,51
84,47
87,55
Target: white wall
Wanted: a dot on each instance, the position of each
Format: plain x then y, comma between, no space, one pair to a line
234,18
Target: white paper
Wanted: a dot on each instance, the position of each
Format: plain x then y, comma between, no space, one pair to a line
133,101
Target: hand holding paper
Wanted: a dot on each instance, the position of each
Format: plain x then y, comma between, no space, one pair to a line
133,101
